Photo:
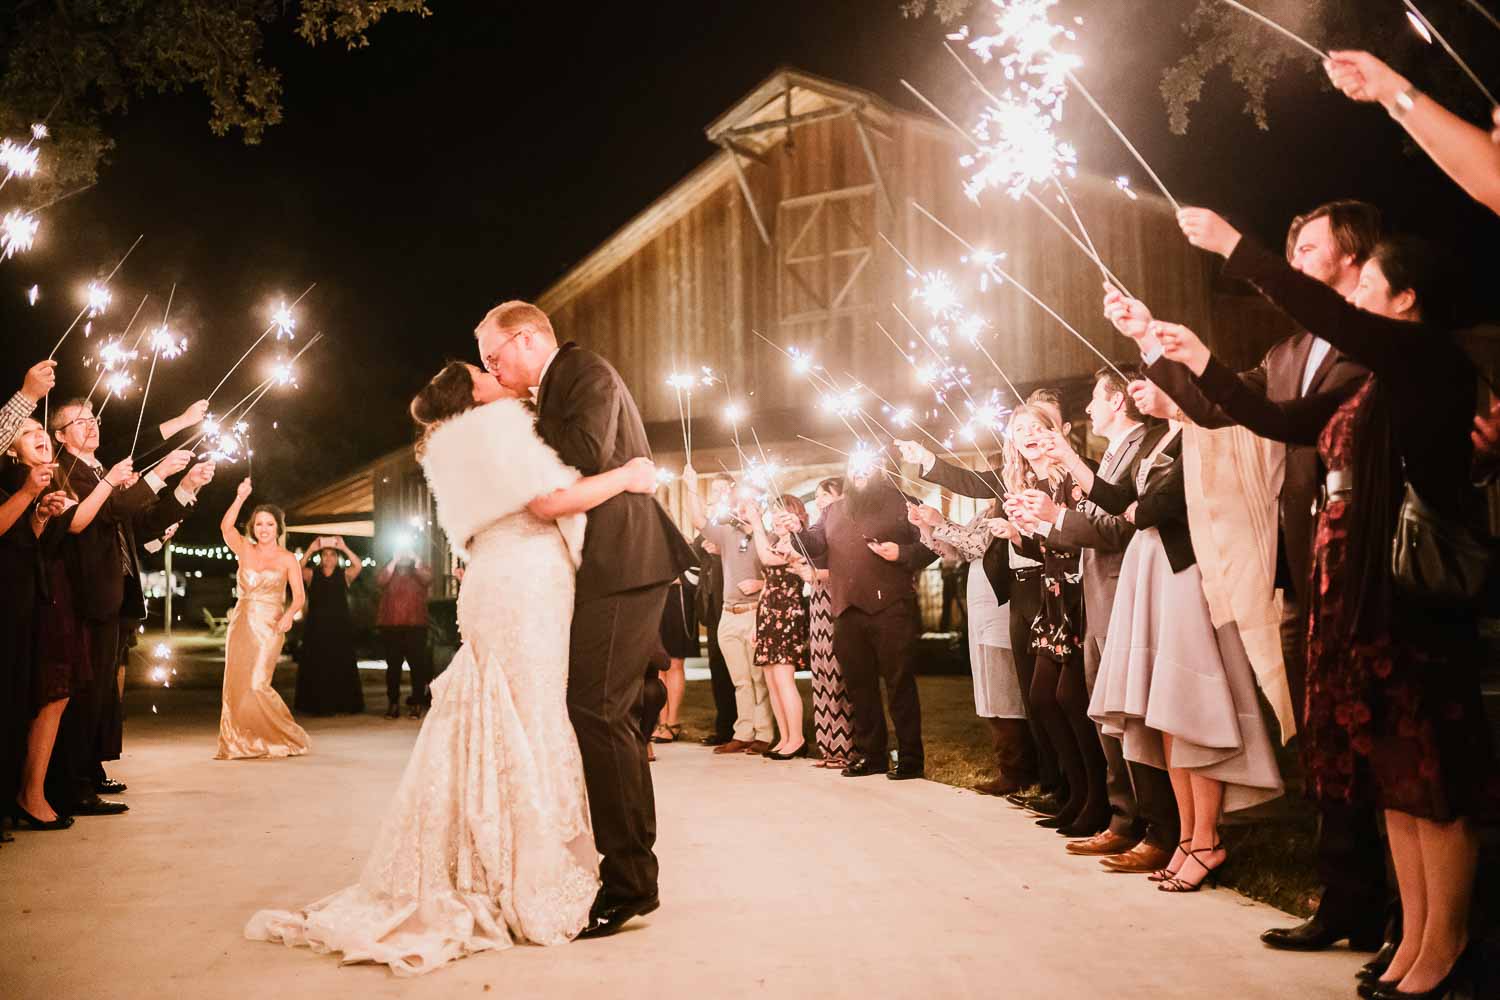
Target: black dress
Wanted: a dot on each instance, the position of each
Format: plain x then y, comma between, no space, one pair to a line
1393,715
20,576
327,673
679,618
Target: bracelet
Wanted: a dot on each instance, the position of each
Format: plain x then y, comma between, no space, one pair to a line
1403,103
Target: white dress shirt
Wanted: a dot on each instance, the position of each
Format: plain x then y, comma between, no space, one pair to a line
1320,349
542,377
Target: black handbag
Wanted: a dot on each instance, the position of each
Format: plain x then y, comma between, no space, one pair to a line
1436,559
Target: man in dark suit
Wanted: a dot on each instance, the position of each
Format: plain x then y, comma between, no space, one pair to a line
1143,826
1331,244
631,553
108,595
874,555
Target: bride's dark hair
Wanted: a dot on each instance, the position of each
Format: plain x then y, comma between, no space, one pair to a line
450,393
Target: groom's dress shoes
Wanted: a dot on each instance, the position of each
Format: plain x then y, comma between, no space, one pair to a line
608,918
733,746
1322,931
906,772
99,807
109,786
863,767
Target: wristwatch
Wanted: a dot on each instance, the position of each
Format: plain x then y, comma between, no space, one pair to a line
1404,102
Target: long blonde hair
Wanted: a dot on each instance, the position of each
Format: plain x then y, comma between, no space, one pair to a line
1015,469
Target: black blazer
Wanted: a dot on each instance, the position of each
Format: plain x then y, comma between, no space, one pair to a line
857,577
1161,505
101,566
589,418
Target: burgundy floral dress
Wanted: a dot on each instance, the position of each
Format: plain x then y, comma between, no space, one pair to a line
1391,720
781,623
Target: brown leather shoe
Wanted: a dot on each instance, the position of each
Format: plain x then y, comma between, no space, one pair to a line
758,747
1102,844
998,786
733,746
1142,859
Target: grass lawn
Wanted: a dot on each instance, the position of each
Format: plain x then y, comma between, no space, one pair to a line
1271,853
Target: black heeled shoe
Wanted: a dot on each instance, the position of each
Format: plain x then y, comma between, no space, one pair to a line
1179,884
801,751
1457,976
1166,874
24,818
1375,967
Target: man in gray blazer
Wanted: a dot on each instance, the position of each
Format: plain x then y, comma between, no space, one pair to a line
1143,812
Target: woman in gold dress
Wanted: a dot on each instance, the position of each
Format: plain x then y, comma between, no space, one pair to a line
255,721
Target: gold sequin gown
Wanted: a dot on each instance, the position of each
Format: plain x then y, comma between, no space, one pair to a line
488,841
255,722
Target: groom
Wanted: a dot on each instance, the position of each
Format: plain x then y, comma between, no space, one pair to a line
631,552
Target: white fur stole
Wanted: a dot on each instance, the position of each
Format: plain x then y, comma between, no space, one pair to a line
488,463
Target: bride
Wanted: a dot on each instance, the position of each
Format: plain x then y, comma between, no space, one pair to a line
488,840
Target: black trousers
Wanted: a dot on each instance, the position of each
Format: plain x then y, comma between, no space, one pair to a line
407,644
718,675
613,639
872,646
1025,604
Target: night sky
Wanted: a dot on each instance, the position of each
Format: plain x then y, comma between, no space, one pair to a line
477,154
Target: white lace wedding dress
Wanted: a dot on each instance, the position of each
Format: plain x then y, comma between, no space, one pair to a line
488,839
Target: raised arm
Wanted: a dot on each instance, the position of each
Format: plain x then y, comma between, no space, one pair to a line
697,513
1297,421
90,506
190,417
636,476
230,533
306,562
763,548
1463,151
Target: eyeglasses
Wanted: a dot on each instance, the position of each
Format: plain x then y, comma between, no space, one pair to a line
492,359
87,421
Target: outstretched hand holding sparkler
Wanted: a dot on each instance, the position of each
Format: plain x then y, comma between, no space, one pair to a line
1207,230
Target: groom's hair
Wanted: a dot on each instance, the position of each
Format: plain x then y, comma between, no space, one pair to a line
515,313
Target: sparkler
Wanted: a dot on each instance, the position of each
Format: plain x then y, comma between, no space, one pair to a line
1309,46
120,340
1084,93
17,233
1484,13
161,340
1000,273
680,383
1429,32
1027,193
32,294
283,323
18,161
97,295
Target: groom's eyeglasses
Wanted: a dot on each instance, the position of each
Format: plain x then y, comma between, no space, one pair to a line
492,359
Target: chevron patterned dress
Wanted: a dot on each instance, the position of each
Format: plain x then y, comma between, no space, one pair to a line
833,714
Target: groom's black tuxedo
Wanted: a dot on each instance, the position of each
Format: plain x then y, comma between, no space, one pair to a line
588,417
631,552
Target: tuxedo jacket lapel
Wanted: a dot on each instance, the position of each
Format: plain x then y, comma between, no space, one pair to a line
551,376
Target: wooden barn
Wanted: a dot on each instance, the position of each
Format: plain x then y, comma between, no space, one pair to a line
792,234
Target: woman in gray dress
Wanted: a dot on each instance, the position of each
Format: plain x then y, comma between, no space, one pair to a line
1179,693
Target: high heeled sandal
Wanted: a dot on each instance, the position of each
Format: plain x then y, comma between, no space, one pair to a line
1179,884
1167,874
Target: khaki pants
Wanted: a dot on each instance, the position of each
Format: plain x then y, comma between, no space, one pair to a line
752,702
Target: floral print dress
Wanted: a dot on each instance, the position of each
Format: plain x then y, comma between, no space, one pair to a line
1057,630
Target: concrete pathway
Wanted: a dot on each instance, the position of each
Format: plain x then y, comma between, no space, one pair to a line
778,880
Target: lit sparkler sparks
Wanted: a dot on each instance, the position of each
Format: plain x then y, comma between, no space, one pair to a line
864,461
33,294
843,404
39,131
18,161
17,233
118,383
98,297
114,355
802,363
733,414
1123,183
282,373
167,345
283,321
1016,148
1429,34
